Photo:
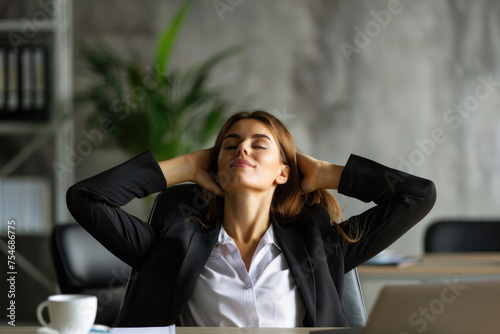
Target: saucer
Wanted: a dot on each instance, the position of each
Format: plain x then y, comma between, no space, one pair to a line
46,330
95,329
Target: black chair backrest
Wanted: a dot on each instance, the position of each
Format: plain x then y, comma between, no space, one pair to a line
185,199
462,236
84,266
354,303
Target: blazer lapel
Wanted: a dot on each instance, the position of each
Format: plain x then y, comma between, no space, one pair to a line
298,260
195,258
294,250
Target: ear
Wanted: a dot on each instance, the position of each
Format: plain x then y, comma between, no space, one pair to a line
283,175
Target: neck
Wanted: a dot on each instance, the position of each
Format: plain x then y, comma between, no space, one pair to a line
246,215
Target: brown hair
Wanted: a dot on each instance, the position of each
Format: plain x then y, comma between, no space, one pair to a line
288,199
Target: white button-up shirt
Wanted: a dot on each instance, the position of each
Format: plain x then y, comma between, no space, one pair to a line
226,294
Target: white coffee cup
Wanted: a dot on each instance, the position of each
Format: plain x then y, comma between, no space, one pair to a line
69,314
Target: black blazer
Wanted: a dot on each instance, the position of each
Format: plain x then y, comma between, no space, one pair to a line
168,260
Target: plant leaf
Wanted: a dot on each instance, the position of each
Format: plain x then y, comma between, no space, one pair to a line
167,38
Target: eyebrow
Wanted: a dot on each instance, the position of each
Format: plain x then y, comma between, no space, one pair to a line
257,135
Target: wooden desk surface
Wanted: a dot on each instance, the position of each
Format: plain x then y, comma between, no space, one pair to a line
461,265
202,330
437,266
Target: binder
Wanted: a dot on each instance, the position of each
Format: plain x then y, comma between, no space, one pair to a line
13,82
24,83
26,77
3,77
40,85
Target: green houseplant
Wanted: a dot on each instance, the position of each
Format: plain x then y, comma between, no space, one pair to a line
154,108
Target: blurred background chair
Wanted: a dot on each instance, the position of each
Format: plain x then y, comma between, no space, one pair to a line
35,278
462,236
85,266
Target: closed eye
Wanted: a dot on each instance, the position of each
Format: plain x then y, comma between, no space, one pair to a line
231,147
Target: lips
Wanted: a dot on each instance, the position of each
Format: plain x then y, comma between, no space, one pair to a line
241,163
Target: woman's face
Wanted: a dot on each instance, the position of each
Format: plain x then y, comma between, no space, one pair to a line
249,158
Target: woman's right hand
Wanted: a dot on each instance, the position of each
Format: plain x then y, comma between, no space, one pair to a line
195,167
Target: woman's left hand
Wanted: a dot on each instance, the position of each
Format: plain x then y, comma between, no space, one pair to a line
318,174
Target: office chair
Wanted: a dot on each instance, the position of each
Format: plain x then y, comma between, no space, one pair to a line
354,304
84,266
76,251
462,236
35,277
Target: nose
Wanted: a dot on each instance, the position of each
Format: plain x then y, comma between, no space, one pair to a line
242,148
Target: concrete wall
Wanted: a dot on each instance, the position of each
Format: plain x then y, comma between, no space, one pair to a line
411,84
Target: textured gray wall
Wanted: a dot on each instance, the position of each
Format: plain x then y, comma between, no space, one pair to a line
403,83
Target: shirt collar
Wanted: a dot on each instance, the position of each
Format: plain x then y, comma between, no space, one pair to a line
267,238
224,238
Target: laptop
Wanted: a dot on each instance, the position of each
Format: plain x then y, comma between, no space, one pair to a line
448,307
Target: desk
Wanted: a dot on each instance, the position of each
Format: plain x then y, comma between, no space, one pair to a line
206,330
439,266
435,267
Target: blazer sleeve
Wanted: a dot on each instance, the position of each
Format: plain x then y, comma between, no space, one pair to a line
96,202
402,201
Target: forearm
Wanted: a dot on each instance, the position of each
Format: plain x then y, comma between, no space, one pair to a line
135,178
330,175
96,203
402,201
318,174
191,167
369,181
175,170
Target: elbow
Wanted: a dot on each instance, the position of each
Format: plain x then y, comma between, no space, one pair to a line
71,199
79,204
72,195
428,196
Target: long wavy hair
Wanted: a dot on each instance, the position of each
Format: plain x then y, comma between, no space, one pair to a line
288,199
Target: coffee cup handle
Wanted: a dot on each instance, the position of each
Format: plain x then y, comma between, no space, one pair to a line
39,314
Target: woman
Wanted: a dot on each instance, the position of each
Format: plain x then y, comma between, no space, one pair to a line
269,250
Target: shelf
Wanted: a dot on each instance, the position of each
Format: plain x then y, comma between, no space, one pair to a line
56,34
21,128
18,25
